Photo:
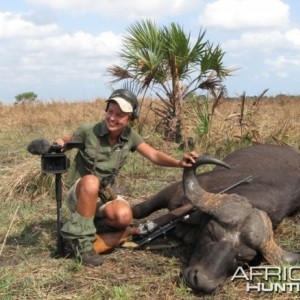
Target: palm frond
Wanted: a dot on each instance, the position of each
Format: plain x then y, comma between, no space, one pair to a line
118,73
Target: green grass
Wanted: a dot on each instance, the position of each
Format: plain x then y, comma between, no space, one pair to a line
29,271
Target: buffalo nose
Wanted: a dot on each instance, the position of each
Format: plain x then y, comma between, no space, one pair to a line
200,282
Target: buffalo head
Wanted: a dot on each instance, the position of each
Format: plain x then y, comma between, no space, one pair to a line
234,235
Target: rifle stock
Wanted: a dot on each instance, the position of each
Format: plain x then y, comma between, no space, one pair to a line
108,240
173,214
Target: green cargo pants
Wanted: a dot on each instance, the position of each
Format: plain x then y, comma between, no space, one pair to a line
81,231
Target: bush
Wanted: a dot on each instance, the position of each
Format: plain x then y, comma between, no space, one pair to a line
26,97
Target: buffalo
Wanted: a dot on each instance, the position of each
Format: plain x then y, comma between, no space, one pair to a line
235,228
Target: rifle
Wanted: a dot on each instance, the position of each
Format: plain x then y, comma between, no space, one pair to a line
162,225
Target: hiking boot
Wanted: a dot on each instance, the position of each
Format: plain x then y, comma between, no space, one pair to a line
91,258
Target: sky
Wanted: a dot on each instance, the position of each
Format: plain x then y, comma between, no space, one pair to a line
60,49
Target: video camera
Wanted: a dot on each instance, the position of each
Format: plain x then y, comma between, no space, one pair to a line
55,161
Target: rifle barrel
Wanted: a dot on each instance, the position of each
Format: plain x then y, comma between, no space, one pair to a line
245,180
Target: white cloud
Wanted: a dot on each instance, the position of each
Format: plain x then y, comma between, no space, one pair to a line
80,43
249,41
14,26
281,62
128,10
245,14
266,41
293,37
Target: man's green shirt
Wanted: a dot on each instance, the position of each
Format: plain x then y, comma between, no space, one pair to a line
95,139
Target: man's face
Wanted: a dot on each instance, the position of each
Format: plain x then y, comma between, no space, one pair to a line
115,118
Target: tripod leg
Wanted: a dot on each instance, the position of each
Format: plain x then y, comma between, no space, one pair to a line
60,241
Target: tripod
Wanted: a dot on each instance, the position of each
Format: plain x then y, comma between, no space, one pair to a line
60,246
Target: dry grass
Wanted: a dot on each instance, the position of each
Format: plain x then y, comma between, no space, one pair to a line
28,208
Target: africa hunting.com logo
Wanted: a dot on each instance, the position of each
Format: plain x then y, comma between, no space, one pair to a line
269,278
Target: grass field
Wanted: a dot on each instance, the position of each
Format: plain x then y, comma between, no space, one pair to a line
28,208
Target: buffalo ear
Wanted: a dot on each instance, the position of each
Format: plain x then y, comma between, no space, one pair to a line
271,251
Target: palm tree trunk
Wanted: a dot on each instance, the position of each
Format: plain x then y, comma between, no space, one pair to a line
175,126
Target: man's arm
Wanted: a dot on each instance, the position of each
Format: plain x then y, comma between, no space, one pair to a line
163,159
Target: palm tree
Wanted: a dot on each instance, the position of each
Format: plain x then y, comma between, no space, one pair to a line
164,61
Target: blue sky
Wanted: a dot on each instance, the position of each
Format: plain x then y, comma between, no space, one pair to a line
60,49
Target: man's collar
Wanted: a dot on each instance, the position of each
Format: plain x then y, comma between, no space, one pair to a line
102,130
